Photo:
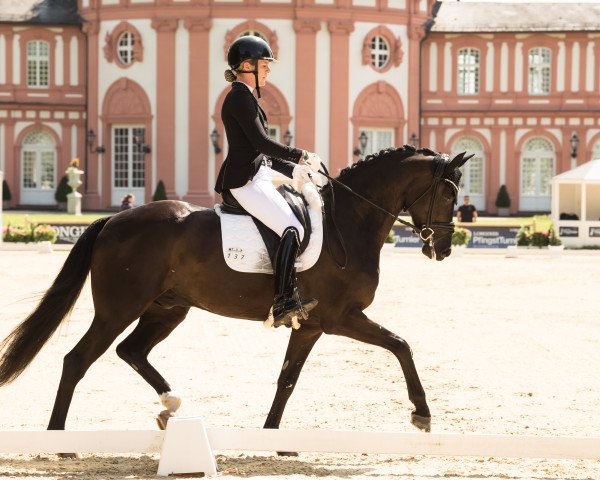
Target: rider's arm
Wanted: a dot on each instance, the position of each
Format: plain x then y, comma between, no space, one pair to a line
246,114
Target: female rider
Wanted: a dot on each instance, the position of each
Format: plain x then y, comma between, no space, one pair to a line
246,172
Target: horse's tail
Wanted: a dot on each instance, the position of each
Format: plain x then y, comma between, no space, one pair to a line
24,342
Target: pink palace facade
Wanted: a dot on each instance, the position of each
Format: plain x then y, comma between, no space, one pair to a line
134,88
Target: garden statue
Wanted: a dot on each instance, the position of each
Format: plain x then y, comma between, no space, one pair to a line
74,198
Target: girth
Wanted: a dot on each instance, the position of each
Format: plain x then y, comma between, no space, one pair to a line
296,202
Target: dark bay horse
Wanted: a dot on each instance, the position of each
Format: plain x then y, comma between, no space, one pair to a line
169,255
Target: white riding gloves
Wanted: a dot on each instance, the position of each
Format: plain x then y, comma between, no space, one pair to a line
312,160
302,173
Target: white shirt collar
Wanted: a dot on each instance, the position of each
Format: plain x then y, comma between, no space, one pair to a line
244,83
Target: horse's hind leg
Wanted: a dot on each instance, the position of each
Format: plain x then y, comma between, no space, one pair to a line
359,327
92,345
154,326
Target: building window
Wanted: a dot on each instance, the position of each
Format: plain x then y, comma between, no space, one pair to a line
539,71
38,165
468,71
596,151
537,167
274,133
380,52
473,172
377,139
125,46
256,33
381,49
38,62
128,158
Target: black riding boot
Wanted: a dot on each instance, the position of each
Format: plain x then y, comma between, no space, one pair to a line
287,303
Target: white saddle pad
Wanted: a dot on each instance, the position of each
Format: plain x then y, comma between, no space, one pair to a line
244,249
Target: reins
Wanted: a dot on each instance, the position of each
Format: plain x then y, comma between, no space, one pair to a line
440,160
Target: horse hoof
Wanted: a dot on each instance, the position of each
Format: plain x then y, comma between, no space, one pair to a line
287,454
68,455
163,418
422,423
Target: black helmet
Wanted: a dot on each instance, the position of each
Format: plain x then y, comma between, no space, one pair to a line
246,47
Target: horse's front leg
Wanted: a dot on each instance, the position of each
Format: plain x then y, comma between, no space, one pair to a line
300,344
359,327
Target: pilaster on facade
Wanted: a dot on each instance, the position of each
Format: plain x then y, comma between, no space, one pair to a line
307,25
166,28
199,192
197,24
416,32
164,24
340,26
91,199
339,154
306,80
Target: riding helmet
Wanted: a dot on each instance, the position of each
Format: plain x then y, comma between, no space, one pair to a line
247,47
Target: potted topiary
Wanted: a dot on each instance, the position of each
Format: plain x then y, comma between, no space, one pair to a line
5,195
460,240
160,193
503,201
62,190
390,240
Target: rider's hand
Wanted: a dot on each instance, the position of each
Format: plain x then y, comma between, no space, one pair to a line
312,160
302,173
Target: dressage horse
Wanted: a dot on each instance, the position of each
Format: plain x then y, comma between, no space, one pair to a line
169,255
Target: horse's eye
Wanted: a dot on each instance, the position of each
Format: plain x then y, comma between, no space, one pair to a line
448,197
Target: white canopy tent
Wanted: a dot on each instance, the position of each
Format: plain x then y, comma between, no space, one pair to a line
576,205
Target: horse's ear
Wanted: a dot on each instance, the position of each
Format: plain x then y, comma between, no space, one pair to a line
459,160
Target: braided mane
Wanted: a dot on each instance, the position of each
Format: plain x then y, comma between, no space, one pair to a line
403,152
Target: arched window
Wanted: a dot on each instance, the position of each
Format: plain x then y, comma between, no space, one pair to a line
380,51
38,62
539,71
38,169
256,33
125,46
596,151
472,182
537,169
468,71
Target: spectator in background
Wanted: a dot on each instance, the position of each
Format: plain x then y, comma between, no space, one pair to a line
127,202
466,212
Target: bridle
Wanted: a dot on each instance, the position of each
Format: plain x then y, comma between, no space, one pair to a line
425,232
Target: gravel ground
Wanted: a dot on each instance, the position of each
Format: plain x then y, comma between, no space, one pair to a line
506,346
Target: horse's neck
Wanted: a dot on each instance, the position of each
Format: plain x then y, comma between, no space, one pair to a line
357,215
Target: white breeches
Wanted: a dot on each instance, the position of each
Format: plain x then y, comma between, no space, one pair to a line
261,200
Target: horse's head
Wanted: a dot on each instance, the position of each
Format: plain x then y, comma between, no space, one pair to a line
430,202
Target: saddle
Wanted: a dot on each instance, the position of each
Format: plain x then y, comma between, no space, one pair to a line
250,246
294,200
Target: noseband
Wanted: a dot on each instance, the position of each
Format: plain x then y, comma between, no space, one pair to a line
425,232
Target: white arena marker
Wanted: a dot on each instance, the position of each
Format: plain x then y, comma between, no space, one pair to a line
186,448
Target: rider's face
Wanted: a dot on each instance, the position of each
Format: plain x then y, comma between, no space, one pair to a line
263,71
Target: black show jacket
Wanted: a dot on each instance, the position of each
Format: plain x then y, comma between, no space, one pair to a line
246,129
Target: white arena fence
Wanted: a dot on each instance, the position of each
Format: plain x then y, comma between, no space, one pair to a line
186,446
